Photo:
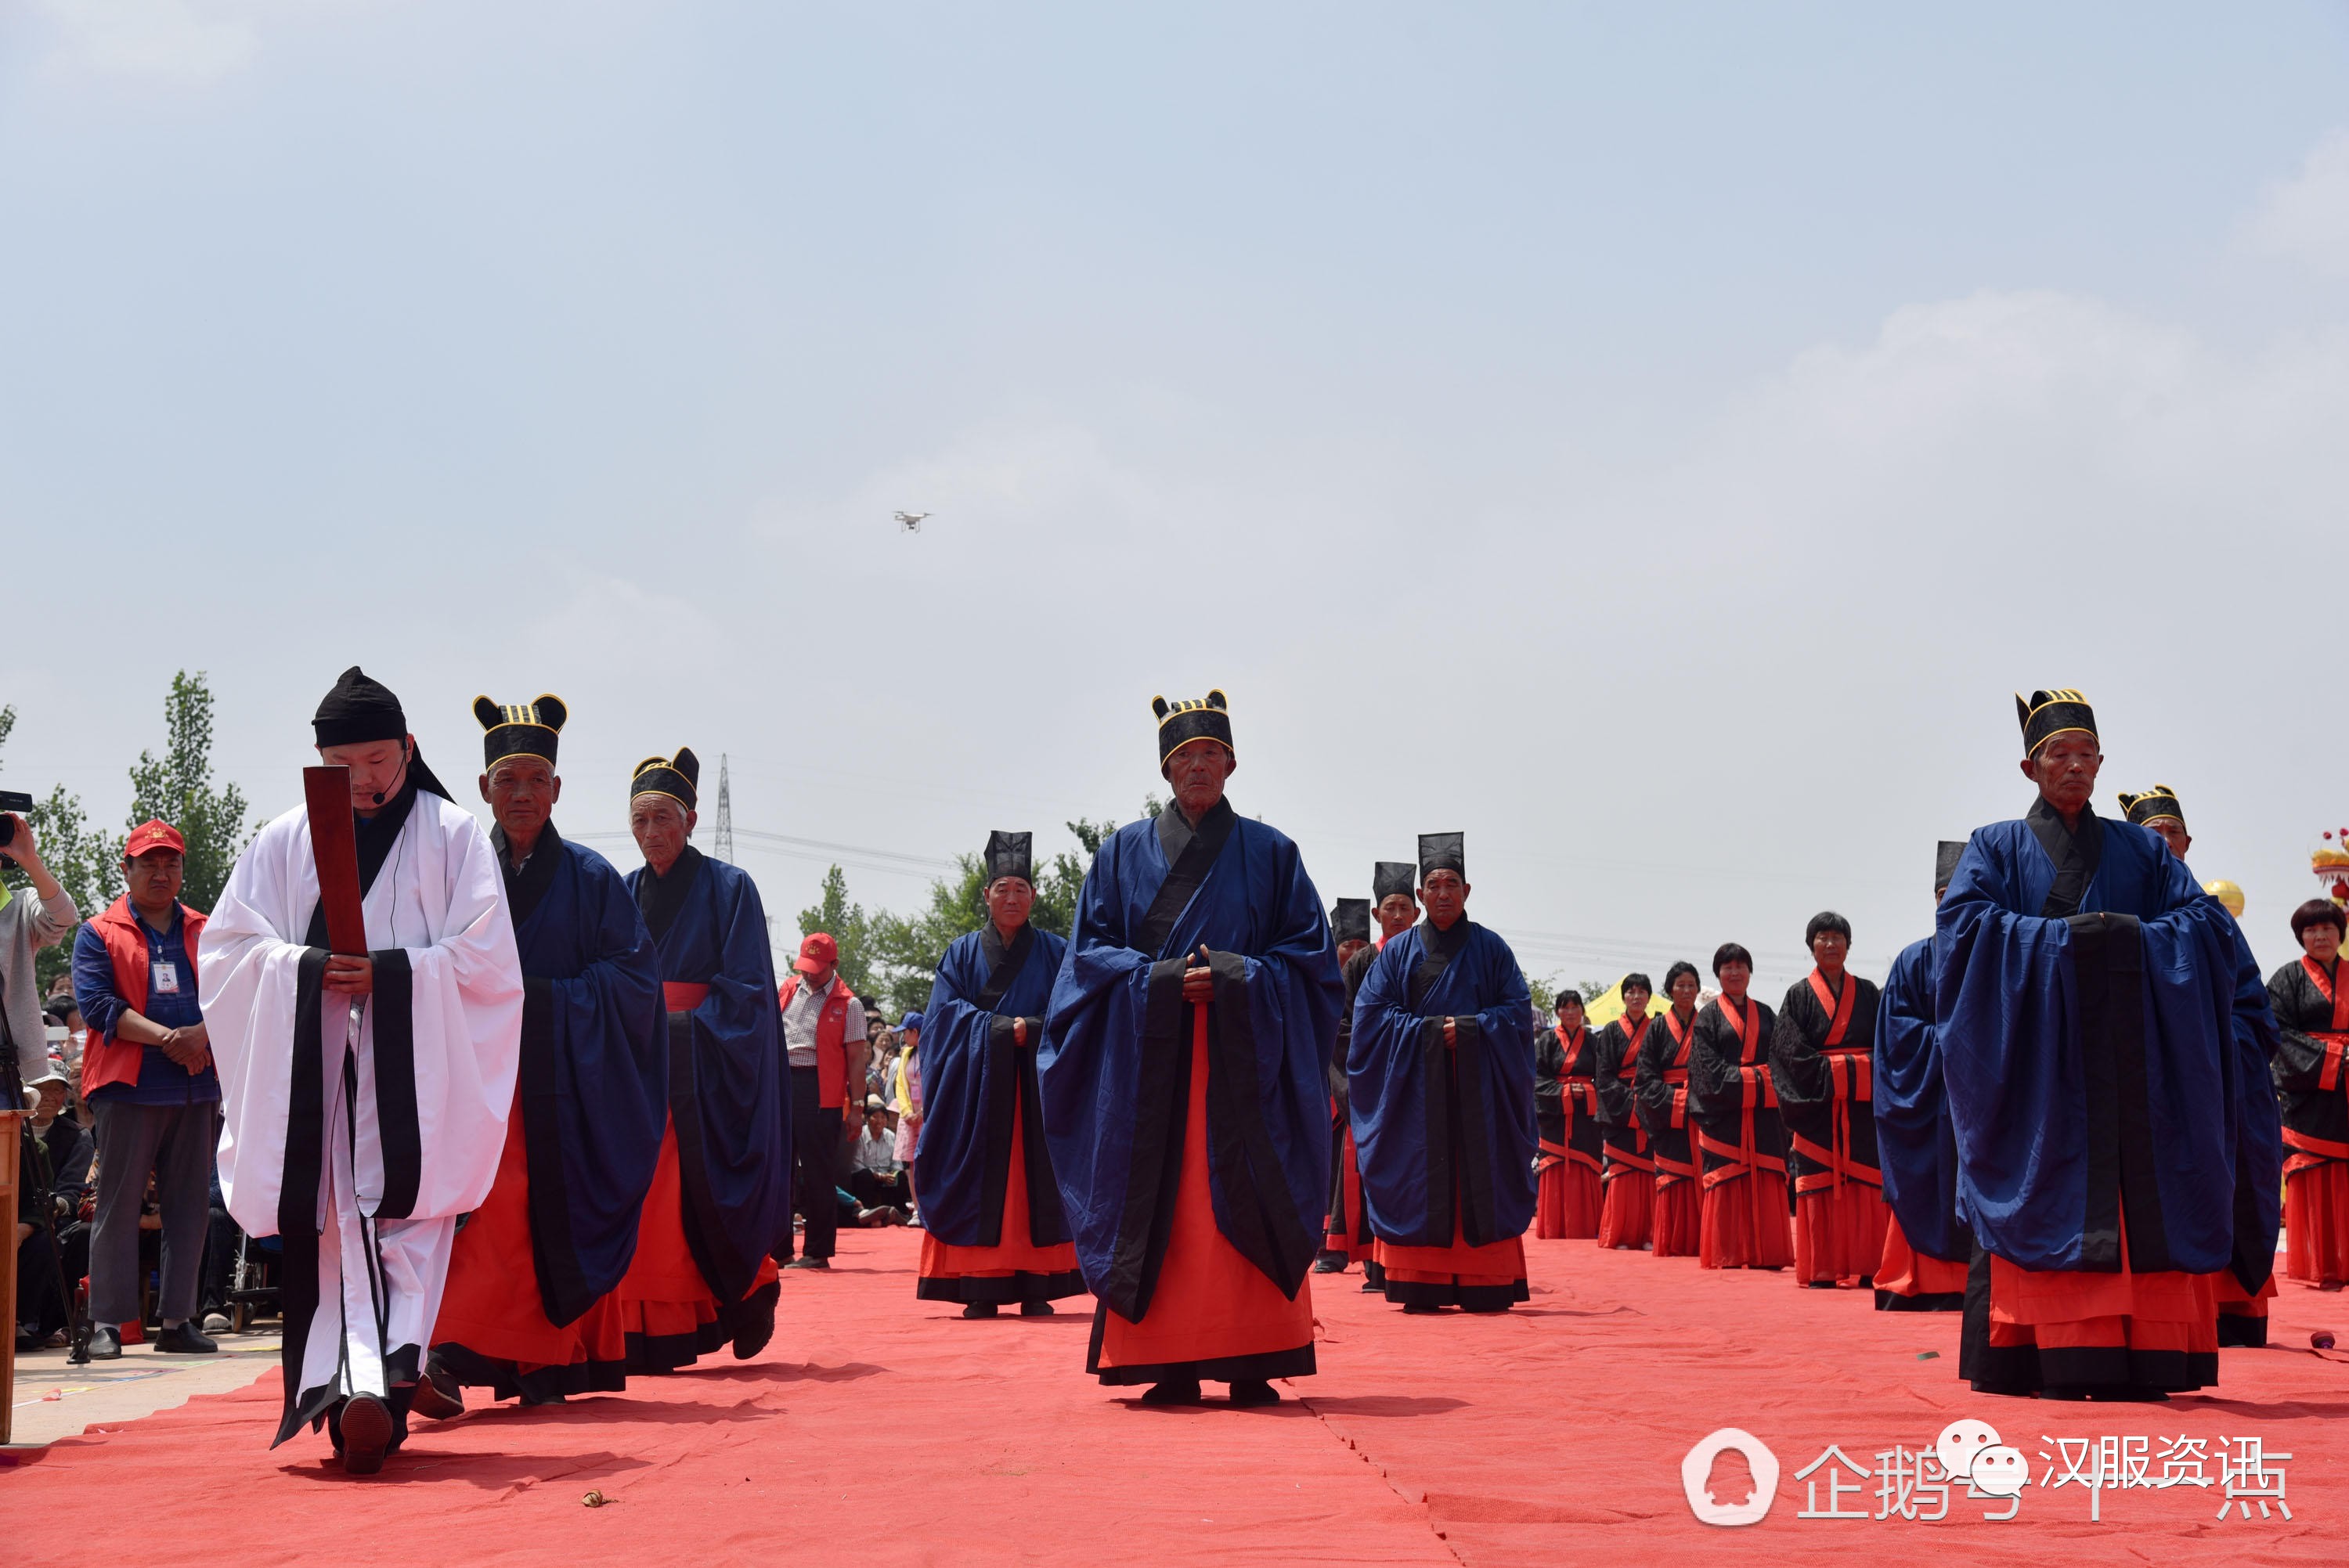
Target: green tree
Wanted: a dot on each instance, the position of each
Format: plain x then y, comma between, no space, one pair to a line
178,788
846,924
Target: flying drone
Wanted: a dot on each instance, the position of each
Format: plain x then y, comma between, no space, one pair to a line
911,521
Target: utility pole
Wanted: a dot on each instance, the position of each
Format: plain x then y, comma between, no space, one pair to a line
721,840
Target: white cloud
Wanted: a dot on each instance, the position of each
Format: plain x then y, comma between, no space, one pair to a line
2306,219
190,42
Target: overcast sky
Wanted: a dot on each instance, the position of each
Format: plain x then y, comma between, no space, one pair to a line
1655,440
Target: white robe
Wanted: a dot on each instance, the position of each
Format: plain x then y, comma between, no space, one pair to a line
441,897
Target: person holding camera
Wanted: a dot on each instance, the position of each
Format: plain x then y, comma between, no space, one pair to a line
147,1074
26,926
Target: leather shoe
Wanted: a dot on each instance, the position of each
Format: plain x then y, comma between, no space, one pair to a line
105,1342
808,1263
366,1429
184,1340
1035,1309
438,1395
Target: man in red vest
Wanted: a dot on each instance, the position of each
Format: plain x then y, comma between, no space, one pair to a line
820,1014
148,1077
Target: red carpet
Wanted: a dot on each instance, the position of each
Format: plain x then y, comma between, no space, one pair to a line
879,1430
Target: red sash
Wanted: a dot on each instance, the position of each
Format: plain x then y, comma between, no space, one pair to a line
2308,1150
1669,1169
1756,1086
1619,1160
1851,1072
680,996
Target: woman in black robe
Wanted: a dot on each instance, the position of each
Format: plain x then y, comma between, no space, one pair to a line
2311,1010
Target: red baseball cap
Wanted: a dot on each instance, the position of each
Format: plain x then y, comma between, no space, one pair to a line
817,950
153,835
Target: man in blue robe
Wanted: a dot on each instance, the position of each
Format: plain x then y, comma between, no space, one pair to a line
1183,1069
993,1232
1441,1080
1927,1247
719,1203
528,1311
2105,1041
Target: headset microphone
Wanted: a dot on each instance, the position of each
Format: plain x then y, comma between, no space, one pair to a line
378,797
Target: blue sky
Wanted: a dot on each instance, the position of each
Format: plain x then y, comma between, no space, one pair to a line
1654,440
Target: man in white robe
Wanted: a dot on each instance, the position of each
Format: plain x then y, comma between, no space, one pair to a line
365,1100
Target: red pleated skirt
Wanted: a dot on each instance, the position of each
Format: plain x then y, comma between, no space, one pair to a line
1624,1211
1676,1226
1017,1254
1746,1225
1566,1203
1905,1270
1839,1234
663,1295
2316,1224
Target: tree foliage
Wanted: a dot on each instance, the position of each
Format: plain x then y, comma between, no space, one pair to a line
845,924
178,788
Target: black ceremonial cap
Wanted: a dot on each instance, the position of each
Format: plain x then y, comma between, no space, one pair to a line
2049,714
520,728
1390,877
1010,855
1352,920
360,709
675,776
1945,861
2155,803
1181,723
1442,853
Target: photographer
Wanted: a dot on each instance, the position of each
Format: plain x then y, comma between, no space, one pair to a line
26,926
148,1076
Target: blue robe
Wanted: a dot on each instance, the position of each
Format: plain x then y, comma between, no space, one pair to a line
594,1081
972,1074
1117,1049
1915,1141
1425,1125
729,1095
2105,1040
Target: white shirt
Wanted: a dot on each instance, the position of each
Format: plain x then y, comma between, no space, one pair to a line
877,1154
799,1021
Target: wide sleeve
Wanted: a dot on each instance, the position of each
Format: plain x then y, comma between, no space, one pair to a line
1917,1152
1651,1094
2304,1064
1615,1102
741,1089
595,1101
1806,1086
1549,1073
1715,1087
956,1052
247,969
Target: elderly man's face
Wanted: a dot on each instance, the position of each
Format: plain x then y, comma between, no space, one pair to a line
51,1101
661,826
521,793
378,768
2173,833
153,880
1347,948
1009,899
1197,772
2066,770
1398,912
1445,894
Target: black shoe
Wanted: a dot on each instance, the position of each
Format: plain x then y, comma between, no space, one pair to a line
1174,1391
1372,1285
438,1395
1330,1263
1258,1392
808,1263
532,1401
754,1321
105,1342
184,1341
978,1309
1415,1308
1035,1309
363,1434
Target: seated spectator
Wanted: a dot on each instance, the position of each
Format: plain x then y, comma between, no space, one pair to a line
148,1075
876,1179
42,1305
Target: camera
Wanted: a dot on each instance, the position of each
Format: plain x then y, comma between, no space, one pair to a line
11,800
